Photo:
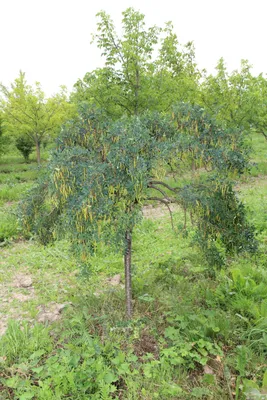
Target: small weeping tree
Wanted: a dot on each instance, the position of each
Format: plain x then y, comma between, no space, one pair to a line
96,186
102,173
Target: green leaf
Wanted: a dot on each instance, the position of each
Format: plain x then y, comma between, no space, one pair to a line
12,382
171,332
37,354
38,369
209,379
27,396
248,384
264,380
146,297
110,377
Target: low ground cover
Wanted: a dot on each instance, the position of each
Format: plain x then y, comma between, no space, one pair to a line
196,332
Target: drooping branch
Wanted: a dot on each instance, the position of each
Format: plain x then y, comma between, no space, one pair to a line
161,191
165,202
174,190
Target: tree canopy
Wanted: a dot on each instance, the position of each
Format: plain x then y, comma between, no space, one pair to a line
3,138
28,112
103,172
237,99
145,68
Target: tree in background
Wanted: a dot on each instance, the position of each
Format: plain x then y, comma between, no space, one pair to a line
28,112
3,138
238,99
25,145
145,68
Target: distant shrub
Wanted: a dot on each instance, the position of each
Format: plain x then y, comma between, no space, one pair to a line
25,145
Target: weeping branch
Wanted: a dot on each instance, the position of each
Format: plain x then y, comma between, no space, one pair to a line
161,191
166,203
174,190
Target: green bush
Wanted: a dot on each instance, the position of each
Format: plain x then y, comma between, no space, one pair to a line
25,145
77,370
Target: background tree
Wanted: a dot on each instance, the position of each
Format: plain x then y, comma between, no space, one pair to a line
3,138
25,145
102,173
145,68
28,112
237,99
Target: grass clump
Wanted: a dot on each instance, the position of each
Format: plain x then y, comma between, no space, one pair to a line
19,176
11,192
8,226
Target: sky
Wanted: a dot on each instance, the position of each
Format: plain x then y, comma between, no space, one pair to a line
49,40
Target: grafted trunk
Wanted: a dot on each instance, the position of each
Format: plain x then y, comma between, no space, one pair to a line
128,274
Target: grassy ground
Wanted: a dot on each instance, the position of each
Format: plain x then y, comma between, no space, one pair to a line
194,334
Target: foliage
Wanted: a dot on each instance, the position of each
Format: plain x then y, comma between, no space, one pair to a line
178,309
8,226
12,192
78,369
222,220
194,334
220,214
28,112
237,99
102,172
25,145
134,78
187,343
3,138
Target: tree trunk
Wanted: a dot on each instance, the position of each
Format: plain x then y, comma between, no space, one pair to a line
128,274
136,91
38,153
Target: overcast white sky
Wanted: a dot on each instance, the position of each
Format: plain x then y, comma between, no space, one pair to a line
50,39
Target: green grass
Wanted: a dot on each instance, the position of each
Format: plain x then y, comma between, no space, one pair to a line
16,177
176,304
8,225
189,320
259,155
13,192
19,176
259,147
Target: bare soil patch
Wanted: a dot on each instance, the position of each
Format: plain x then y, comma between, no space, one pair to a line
29,293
